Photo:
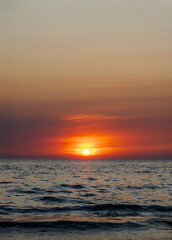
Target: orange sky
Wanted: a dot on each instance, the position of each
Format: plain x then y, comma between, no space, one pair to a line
85,74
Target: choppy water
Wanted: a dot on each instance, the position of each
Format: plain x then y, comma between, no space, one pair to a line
85,199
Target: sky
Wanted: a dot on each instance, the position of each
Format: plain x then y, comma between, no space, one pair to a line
92,74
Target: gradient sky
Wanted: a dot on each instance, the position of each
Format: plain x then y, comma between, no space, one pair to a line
86,74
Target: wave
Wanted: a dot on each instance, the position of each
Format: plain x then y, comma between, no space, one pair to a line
67,225
6,182
70,225
74,186
53,200
131,207
97,209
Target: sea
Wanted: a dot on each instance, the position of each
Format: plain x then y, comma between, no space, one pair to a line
85,199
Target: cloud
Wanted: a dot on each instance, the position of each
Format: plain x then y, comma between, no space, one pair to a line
93,117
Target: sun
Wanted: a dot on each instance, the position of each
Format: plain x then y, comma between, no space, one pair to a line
86,152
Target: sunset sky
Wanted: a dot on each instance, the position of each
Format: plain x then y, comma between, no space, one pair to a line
86,74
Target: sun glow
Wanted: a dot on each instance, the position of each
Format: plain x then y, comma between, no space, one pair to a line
86,152
87,146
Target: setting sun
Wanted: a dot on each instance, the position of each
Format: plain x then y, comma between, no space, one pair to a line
86,152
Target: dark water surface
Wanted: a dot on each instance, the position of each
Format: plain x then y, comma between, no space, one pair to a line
85,199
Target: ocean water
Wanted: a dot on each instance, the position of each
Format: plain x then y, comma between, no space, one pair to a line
86,199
